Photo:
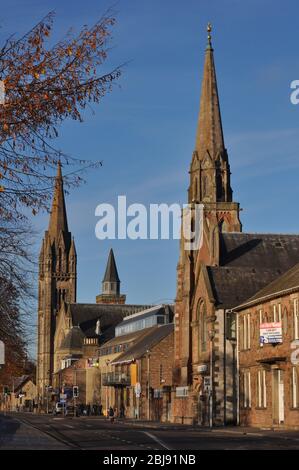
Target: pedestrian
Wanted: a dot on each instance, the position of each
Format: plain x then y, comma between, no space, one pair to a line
100,410
111,414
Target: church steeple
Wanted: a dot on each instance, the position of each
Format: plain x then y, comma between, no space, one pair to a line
209,130
111,274
58,217
57,282
111,284
210,171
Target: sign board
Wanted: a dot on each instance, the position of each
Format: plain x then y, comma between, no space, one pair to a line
270,333
295,353
137,390
2,353
207,383
202,368
133,370
182,391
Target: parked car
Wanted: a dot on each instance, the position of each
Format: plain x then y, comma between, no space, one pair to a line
60,408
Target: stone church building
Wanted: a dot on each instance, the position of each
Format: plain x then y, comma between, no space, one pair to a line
229,268
69,331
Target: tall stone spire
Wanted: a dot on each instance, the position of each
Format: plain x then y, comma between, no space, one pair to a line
111,274
209,130
210,171
58,218
111,284
57,283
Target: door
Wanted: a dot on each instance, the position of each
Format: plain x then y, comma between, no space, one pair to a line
280,397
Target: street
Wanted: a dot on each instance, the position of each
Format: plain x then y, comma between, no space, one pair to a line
30,431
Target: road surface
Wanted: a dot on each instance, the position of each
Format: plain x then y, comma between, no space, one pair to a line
30,431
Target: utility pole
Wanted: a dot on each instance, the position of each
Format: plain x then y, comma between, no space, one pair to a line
148,386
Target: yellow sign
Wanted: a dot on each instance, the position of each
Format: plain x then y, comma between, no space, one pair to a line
133,368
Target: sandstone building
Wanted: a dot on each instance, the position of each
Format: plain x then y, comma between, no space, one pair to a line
68,331
229,268
269,366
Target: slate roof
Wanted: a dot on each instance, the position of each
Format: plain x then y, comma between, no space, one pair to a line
73,339
125,338
111,274
147,339
248,263
18,382
259,251
86,316
289,281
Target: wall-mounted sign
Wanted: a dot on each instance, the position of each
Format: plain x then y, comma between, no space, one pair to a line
182,391
202,368
137,390
270,333
295,354
207,385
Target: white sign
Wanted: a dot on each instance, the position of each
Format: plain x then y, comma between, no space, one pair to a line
270,333
137,390
202,368
207,383
295,354
182,391
2,353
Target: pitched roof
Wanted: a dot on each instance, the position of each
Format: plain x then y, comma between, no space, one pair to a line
259,251
147,340
111,274
73,339
18,382
289,281
248,263
86,316
231,286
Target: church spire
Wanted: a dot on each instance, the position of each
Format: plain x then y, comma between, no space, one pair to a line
209,136
58,218
111,274
111,284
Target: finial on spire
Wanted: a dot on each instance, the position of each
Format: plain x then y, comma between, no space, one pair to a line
209,30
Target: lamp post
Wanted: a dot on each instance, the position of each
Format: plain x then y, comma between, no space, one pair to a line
211,391
148,386
107,364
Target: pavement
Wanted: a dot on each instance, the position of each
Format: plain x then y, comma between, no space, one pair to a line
31,431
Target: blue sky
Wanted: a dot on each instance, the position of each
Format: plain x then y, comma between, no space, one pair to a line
144,131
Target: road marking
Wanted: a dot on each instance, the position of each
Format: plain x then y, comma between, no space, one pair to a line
69,426
156,439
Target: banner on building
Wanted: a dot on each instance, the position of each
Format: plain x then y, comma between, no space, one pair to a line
270,333
133,369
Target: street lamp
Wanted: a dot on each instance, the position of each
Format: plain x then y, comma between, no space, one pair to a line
148,385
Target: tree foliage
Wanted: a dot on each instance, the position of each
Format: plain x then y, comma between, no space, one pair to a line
45,84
